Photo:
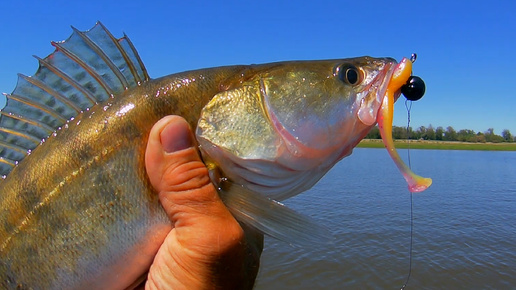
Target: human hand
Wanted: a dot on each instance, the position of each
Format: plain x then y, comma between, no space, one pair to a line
207,248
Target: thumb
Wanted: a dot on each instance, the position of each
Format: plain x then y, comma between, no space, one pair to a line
206,247
176,171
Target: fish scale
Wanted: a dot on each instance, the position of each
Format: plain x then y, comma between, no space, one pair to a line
76,207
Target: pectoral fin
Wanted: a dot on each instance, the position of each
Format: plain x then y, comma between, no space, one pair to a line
272,217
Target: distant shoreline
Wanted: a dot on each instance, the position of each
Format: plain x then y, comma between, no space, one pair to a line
439,145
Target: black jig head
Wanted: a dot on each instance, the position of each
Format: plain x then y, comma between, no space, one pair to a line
415,87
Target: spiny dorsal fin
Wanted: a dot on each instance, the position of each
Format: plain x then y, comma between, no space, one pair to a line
87,68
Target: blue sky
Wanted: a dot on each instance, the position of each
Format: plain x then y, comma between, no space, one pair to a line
465,48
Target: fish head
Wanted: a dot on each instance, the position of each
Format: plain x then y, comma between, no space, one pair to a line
325,106
282,126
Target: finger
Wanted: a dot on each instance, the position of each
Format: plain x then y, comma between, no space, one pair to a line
206,240
176,171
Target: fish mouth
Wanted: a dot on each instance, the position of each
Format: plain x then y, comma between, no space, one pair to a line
373,94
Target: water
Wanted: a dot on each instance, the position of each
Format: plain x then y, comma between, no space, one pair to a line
464,225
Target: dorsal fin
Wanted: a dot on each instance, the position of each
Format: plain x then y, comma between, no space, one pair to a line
87,68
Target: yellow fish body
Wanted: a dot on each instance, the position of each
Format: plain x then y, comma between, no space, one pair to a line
76,207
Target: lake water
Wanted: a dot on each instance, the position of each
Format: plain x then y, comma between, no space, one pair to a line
464,225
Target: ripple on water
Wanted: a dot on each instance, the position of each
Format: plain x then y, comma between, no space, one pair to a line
464,229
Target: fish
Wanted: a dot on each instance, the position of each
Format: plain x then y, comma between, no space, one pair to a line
76,207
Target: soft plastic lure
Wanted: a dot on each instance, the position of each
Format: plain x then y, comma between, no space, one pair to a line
399,78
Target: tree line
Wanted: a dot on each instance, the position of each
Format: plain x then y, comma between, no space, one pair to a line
448,134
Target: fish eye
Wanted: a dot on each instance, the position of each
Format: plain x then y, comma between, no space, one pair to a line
349,74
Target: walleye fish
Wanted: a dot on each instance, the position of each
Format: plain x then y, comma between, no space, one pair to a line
76,206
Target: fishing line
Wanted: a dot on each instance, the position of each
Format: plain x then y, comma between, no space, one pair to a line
408,105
